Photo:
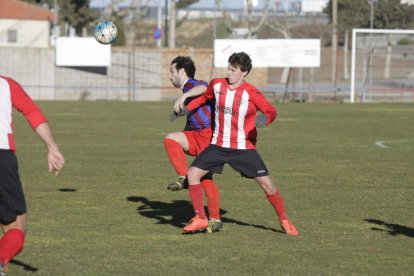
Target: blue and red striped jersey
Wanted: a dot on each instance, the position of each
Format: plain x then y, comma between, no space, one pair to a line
200,118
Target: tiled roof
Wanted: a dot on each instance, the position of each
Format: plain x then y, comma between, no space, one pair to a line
14,9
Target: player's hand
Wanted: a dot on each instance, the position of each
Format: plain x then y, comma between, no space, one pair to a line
179,103
173,116
261,121
56,161
183,111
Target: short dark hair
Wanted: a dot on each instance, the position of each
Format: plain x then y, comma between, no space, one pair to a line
186,63
241,60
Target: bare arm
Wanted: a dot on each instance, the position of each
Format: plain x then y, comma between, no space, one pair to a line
194,92
55,159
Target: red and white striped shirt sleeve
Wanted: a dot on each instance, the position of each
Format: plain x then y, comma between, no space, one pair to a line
12,95
263,105
23,103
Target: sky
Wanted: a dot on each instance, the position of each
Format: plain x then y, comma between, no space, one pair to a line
200,4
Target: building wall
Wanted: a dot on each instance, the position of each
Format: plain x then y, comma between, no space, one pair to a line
35,69
30,33
32,67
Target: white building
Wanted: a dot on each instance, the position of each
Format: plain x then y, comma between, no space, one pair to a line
24,25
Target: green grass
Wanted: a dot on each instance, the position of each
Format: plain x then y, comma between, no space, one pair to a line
110,212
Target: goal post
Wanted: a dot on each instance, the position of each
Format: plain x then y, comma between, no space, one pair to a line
382,65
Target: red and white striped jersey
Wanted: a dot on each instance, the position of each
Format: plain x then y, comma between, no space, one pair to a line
235,113
13,95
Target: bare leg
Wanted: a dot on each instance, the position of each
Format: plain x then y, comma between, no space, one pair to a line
266,183
180,138
195,174
19,223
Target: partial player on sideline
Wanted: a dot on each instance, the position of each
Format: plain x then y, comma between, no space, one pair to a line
13,212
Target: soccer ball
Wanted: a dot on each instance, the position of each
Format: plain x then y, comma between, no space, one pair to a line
106,32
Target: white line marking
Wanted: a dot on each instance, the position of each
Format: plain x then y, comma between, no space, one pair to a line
381,144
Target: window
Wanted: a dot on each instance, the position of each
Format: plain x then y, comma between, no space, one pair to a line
12,35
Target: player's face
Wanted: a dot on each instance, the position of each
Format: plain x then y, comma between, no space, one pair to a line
175,76
235,76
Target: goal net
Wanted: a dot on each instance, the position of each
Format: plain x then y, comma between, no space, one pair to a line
382,66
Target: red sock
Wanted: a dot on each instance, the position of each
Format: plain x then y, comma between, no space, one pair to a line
11,244
177,156
196,196
213,198
277,202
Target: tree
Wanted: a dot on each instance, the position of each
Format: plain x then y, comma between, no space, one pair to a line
410,16
250,22
282,25
182,4
388,14
174,5
76,13
351,14
253,25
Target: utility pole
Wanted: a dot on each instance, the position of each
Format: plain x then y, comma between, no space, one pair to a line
56,27
172,24
334,38
369,63
334,46
166,25
159,20
372,14
215,21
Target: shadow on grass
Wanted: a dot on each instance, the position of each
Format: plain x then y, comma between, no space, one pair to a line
25,266
66,190
229,220
391,228
175,213
179,212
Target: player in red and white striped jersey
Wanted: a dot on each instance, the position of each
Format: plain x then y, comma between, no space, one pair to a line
13,217
234,138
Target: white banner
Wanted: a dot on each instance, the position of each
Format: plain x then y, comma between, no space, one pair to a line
270,52
82,51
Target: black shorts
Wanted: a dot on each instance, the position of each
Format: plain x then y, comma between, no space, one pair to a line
247,162
12,202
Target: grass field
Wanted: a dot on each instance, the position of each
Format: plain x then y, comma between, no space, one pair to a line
110,213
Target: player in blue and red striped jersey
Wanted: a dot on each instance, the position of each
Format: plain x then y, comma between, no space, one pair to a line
234,138
195,137
13,213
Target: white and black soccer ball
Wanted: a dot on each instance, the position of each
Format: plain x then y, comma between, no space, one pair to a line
106,32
